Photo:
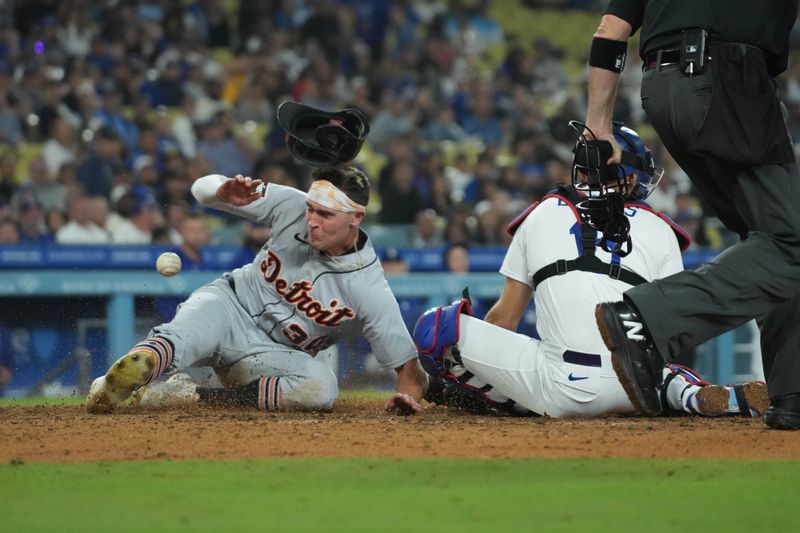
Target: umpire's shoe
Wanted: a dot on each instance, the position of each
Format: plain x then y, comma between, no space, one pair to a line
637,364
131,371
784,412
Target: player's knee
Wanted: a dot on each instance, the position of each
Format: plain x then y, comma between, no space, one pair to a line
317,393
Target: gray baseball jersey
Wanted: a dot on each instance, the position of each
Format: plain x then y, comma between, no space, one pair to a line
307,300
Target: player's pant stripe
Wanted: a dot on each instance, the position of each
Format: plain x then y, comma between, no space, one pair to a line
163,353
168,350
275,393
262,394
162,349
270,393
156,350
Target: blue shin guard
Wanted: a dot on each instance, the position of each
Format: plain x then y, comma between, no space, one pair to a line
435,330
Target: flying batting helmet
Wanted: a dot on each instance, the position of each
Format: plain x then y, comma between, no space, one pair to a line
321,138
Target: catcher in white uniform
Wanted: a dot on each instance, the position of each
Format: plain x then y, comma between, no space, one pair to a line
317,281
555,257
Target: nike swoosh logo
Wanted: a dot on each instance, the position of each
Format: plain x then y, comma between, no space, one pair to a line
577,378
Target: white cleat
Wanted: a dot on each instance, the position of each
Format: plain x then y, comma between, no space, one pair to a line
177,391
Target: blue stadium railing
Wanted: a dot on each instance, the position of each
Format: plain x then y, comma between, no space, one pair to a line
218,258
120,274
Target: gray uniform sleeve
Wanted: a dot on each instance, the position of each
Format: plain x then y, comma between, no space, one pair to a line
277,199
384,328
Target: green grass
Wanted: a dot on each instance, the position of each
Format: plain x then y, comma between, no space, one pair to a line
402,495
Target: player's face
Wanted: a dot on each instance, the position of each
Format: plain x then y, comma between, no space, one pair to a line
630,181
330,231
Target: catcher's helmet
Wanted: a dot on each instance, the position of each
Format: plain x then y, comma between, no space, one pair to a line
591,173
639,162
321,138
607,187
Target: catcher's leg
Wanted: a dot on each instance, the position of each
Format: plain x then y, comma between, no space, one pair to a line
436,330
748,399
684,390
541,376
435,335
472,394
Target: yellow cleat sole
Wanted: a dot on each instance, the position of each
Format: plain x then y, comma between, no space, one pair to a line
130,372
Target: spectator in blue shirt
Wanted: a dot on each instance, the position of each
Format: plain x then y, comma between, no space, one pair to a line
97,172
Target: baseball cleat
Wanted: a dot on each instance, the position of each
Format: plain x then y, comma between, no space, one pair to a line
131,371
177,391
751,397
711,400
636,363
784,412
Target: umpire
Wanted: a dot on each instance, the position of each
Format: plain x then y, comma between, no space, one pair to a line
709,91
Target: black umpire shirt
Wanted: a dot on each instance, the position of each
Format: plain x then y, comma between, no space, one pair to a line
762,23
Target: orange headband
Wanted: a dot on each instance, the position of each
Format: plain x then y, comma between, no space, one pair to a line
328,195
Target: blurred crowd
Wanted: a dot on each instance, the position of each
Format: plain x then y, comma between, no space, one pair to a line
109,110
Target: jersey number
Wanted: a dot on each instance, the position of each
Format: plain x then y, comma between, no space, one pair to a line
297,335
575,231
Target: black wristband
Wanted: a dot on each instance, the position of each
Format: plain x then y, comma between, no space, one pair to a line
608,54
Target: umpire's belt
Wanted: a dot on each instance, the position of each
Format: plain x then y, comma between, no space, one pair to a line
661,58
583,359
664,58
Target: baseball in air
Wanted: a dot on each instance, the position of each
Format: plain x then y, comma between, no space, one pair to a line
168,264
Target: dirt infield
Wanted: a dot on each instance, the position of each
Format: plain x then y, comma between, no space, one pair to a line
360,428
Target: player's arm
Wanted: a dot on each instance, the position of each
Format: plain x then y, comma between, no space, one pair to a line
410,387
215,189
508,310
249,198
608,41
391,343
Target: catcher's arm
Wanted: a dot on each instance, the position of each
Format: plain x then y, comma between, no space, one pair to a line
508,310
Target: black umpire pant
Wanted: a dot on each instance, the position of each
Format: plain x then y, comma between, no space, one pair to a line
759,277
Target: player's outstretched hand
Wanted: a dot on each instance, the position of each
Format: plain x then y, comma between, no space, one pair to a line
240,190
403,404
